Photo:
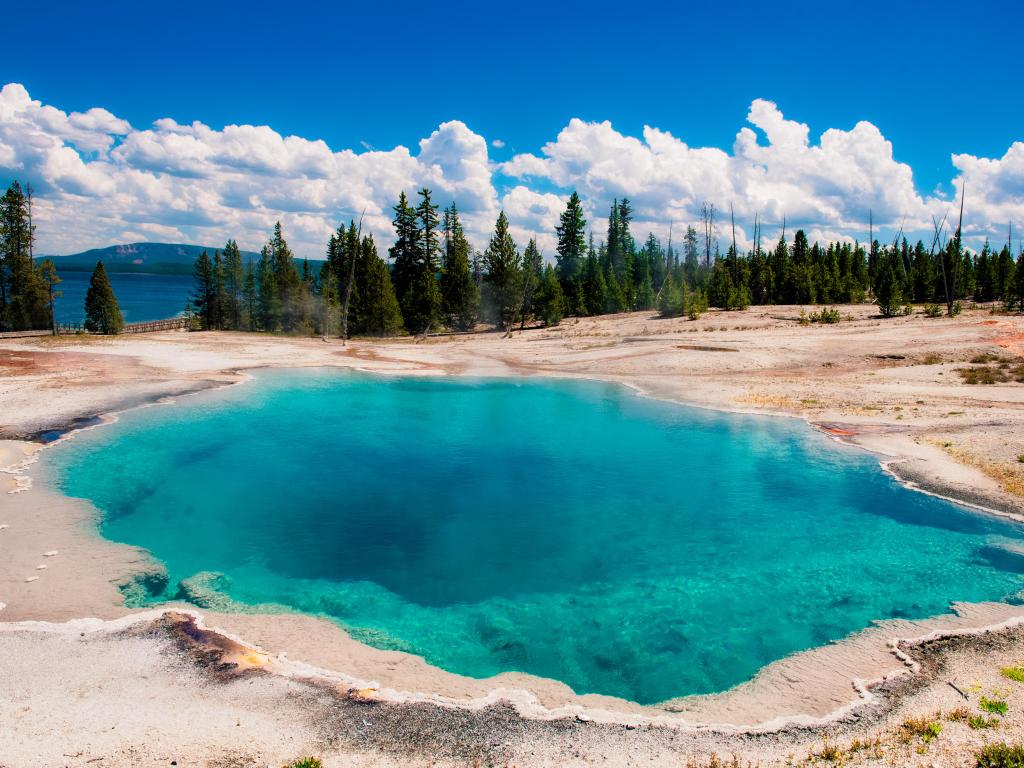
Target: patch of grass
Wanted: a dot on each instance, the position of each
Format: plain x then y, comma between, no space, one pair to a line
1013,673
994,706
922,727
932,310
931,359
1001,755
980,722
829,752
1006,370
305,762
958,715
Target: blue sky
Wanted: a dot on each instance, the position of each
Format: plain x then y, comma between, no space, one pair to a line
934,79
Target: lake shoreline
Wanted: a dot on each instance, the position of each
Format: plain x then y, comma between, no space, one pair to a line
748,707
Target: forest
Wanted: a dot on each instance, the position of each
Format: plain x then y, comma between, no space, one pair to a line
433,280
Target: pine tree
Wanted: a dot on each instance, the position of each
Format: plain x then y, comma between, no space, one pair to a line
219,291
550,301
102,314
459,295
503,273
415,253
645,292
285,307
595,288
1018,281
23,300
250,299
234,285
327,285
347,278
204,296
529,279
888,287
380,315
572,244
50,279
405,251
269,309
669,299
426,213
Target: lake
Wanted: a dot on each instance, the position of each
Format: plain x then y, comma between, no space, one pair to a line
141,297
571,530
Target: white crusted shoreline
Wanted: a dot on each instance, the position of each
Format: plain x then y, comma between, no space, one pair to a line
746,709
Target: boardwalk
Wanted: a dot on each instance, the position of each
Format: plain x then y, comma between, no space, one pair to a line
152,326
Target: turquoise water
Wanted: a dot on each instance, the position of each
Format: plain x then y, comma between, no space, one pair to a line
142,297
570,530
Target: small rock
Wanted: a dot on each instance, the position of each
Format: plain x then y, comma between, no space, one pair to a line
51,553
5,525
30,579
40,567
2,606
583,718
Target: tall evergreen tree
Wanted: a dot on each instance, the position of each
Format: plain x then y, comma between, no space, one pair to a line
380,314
415,254
250,299
1018,282
50,279
286,283
102,314
550,301
572,245
23,300
204,296
234,285
503,273
531,274
459,295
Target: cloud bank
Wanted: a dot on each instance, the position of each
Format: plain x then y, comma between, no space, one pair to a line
100,180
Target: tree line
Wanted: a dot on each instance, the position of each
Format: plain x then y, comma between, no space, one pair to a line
431,278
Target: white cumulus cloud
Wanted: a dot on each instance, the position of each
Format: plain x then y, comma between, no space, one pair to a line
100,180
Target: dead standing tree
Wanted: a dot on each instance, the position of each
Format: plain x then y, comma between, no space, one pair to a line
707,215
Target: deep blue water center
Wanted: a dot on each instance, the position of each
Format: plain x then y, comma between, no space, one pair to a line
567,529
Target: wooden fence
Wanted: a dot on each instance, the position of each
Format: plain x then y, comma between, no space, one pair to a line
152,326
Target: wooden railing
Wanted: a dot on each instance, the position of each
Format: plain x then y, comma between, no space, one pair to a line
158,325
151,326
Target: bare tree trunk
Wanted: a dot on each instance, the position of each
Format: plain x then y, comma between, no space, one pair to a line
951,298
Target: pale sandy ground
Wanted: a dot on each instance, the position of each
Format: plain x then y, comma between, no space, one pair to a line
142,695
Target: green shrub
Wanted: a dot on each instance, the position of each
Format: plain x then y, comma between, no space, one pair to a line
1001,756
958,307
978,722
827,315
921,726
305,762
932,310
1014,673
993,706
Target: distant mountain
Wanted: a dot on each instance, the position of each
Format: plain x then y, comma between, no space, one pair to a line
154,258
